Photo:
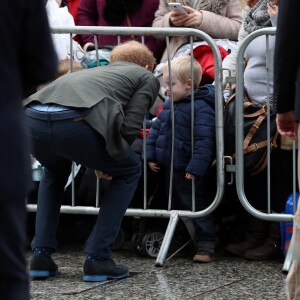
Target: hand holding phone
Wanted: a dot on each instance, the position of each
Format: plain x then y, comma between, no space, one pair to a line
270,3
177,7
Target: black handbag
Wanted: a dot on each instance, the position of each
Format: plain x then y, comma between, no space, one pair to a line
255,134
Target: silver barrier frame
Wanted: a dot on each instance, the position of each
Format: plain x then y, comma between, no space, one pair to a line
269,216
173,215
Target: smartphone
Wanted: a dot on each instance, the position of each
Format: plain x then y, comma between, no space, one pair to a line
178,7
269,2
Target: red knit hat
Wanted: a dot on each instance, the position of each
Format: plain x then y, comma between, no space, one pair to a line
204,55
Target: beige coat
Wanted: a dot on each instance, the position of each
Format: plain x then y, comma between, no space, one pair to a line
222,19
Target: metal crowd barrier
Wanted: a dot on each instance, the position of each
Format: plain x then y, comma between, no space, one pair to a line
175,215
269,215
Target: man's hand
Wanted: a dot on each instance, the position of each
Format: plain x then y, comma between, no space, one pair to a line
286,124
102,175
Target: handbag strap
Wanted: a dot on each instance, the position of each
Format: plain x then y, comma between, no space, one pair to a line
252,130
256,146
263,161
261,111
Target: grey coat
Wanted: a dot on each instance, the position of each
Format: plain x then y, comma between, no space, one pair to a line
119,94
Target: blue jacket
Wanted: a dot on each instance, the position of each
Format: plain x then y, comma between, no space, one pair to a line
159,141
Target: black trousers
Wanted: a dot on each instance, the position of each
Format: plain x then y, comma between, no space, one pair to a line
13,275
15,182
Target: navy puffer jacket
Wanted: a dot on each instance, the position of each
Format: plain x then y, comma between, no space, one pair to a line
159,141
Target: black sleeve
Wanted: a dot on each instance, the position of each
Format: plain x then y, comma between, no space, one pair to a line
40,63
286,57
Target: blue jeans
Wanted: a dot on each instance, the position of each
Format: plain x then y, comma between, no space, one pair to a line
56,143
205,234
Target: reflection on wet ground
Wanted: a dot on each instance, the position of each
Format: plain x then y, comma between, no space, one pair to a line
179,278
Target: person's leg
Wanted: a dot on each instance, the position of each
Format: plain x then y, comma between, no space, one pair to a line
114,204
281,187
13,277
205,235
67,141
51,187
50,194
80,143
257,229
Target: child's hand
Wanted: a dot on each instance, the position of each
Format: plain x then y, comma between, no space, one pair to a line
189,176
154,166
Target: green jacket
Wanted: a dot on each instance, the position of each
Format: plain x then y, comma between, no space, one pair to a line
120,94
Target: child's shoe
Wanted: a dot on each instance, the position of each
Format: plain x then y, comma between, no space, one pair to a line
203,257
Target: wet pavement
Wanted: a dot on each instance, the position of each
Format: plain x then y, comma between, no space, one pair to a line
178,279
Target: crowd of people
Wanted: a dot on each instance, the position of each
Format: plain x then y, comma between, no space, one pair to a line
96,125
262,239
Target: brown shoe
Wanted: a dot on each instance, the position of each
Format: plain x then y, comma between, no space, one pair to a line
268,250
257,233
242,247
203,257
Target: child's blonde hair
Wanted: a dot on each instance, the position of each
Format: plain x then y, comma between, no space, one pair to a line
181,69
64,67
135,52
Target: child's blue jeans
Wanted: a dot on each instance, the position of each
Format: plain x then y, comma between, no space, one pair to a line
205,235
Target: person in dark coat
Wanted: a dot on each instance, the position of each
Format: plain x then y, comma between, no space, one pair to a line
129,13
190,161
22,67
287,102
90,117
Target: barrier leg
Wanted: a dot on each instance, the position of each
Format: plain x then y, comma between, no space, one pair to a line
289,257
162,254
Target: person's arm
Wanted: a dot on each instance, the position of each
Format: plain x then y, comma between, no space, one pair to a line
227,26
137,107
151,141
38,64
286,57
162,17
286,67
286,124
204,143
217,26
87,15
